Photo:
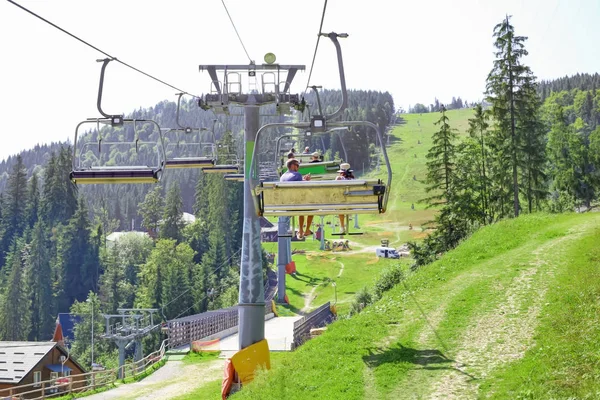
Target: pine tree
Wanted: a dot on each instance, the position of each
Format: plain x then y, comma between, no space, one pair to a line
14,305
78,261
172,225
478,126
39,285
13,213
440,162
504,92
33,202
151,209
533,149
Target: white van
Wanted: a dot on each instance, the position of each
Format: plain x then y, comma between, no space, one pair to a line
386,252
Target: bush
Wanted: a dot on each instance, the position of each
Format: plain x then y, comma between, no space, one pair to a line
388,279
362,299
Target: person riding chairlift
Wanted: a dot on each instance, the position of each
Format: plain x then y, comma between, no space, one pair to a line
345,174
316,157
292,175
306,150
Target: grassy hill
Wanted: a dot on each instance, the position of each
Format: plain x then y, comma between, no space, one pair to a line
513,312
352,270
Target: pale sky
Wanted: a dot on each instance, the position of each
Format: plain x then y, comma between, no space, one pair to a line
416,50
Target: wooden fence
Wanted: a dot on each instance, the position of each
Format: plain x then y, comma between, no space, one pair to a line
316,319
80,383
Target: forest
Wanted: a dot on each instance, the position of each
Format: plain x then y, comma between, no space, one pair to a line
54,256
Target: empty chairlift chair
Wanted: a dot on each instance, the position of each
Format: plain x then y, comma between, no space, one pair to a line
227,163
185,147
131,151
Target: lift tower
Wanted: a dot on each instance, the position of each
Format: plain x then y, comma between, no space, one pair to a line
274,88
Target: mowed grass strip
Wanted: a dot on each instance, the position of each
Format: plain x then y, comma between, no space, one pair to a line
565,362
335,365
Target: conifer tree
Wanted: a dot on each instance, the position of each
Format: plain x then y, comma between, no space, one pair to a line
77,259
14,305
13,213
440,162
503,89
173,224
478,126
33,202
39,285
152,209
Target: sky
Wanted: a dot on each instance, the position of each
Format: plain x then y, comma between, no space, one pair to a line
416,50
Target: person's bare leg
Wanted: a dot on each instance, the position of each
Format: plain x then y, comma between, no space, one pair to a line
301,226
309,219
342,222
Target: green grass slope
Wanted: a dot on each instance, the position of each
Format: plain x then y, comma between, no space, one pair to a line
513,312
408,148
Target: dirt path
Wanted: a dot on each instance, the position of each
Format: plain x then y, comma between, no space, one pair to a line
173,379
308,298
341,269
494,337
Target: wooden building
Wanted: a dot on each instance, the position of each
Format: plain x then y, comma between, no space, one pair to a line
25,363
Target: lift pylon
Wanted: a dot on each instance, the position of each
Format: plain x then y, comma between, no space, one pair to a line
225,92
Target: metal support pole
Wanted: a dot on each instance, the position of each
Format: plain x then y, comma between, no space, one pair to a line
121,345
356,222
252,295
322,246
283,243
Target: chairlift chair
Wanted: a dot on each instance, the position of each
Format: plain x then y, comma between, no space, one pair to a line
120,151
192,152
228,162
325,197
97,160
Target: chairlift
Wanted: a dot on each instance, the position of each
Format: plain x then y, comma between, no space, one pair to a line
228,161
318,170
120,150
324,197
192,151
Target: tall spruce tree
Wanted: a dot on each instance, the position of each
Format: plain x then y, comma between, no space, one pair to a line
507,90
152,209
440,162
173,224
13,213
39,285
478,129
77,259
33,202
14,305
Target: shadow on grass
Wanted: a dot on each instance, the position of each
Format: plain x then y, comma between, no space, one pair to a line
429,359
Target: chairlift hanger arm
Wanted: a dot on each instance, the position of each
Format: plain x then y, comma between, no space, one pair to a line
115,119
334,38
338,134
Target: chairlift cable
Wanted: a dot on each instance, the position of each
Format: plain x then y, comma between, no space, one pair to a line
97,49
187,290
237,33
316,47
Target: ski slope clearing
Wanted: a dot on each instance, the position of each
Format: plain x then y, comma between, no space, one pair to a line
511,313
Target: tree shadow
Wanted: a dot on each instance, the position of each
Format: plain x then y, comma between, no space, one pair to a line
429,359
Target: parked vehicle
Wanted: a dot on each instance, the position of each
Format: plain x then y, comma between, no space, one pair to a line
386,252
